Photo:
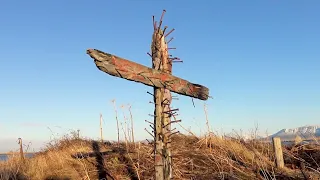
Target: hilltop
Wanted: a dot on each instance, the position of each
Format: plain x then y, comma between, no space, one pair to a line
194,158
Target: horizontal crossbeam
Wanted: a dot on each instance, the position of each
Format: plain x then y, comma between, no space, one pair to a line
120,67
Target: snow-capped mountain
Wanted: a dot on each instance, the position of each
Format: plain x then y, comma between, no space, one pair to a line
305,132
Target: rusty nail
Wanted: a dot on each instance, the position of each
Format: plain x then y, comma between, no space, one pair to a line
162,14
174,133
169,32
171,110
150,93
170,131
148,132
170,40
171,123
153,22
178,61
151,102
155,25
148,122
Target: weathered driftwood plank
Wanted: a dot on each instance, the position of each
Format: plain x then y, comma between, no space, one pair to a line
120,67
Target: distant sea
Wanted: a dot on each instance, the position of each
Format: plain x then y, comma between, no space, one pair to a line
4,157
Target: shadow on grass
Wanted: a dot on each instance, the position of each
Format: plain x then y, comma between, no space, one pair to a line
102,172
129,167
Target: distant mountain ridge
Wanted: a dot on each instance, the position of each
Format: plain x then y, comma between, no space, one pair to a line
305,132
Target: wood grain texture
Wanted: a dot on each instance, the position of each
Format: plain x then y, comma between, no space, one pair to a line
277,147
120,67
161,63
159,146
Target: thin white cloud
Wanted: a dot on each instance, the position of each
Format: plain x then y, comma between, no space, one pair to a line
32,124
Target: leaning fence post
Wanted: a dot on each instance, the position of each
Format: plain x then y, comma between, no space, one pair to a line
278,152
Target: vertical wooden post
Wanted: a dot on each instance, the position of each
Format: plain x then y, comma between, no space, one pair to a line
162,100
115,110
78,133
166,116
158,162
158,96
278,152
21,149
101,128
132,128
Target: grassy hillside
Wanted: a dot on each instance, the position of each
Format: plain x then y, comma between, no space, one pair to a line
194,158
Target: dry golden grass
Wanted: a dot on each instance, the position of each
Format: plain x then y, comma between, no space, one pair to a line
82,159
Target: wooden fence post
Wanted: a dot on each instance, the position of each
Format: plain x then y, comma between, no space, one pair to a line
101,134
278,152
78,134
21,149
161,61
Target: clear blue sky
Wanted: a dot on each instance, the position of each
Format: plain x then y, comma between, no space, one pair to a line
260,60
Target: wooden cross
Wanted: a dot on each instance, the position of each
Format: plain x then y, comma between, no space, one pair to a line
160,78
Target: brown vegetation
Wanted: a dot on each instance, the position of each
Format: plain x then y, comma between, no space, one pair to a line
74,158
